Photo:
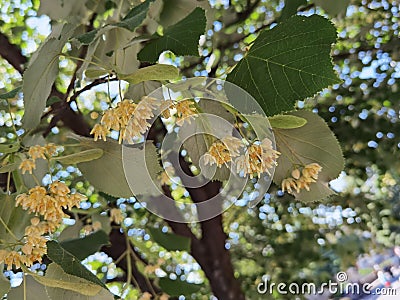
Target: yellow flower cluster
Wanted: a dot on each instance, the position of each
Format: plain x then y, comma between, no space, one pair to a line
222,151
116,215
89,228
301,179
35,152
129,118
150,269
185,110
259,157
165,176
34,245
47,204
148,296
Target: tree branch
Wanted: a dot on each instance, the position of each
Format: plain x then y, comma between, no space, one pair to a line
116,250
12,54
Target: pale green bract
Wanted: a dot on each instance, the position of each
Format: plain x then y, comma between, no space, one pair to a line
311,143
41,73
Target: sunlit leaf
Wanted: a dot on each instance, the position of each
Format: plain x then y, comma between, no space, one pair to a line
56,277
94,73
286,121
287,63
211,122
9,167
131,21
115,51
9,148
61,10
144,88
155,72
79,157
107,173
34,291
62,294
5,284
15,217
41,73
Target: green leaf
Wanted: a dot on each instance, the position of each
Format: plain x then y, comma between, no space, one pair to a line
107,173
311,143
9,148
34,290
15,217
10,94
87,37
83,156
114,50
55,277
175,10
131,21
52,100
41,73
333,8
59,293
108,198
287,63
91,49
290,8
74,10
137,91
94,73
286,121
181,38
5,284
212,122
83,247
260,126
170,241
104,221
71,232
175,288
41,287
135,16
69,263
155,72
9,167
